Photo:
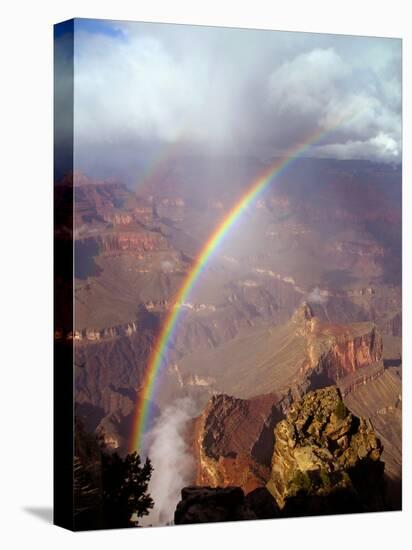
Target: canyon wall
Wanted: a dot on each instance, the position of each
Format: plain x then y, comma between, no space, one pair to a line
234,437
232,441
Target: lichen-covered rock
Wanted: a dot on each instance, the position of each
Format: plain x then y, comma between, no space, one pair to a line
207,504
322,449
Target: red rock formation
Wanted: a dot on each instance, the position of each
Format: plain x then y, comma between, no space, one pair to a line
350,355
339,350
118,218
131,241
233,441
336,350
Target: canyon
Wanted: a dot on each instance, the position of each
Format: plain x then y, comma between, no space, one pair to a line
305,293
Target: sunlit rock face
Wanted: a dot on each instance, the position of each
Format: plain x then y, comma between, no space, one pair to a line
336,348
321,448
233,441
124,240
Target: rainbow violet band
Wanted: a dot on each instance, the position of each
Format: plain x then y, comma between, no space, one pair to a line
158,359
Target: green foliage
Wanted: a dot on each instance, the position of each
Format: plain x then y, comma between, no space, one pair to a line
108,489
301,481
324,476
340,410
125,483
85,497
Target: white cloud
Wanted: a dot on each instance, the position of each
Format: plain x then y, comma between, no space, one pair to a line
133,87
140,88
308,82
328,91
250,89
381,147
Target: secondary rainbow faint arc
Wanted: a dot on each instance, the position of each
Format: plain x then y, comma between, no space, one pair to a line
157,356
155,167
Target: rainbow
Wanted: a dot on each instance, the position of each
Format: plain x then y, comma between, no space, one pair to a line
157,359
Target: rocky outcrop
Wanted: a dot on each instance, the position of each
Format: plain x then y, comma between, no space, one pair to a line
118,218
325,460
106,202
337,350
131,241
95,335
207,505
349,354
320,451
234,441
108,375
234,437
98,201
321,448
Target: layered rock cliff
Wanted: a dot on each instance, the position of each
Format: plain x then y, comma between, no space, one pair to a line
126,240
337,350
305,353
234,441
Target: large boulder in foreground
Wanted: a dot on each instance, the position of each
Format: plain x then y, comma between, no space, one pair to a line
325,460
207,504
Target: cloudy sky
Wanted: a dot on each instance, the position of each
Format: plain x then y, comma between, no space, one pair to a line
148,85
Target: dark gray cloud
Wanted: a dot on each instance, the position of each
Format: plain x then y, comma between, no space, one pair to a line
244,90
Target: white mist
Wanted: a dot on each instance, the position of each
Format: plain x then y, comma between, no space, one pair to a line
172,461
